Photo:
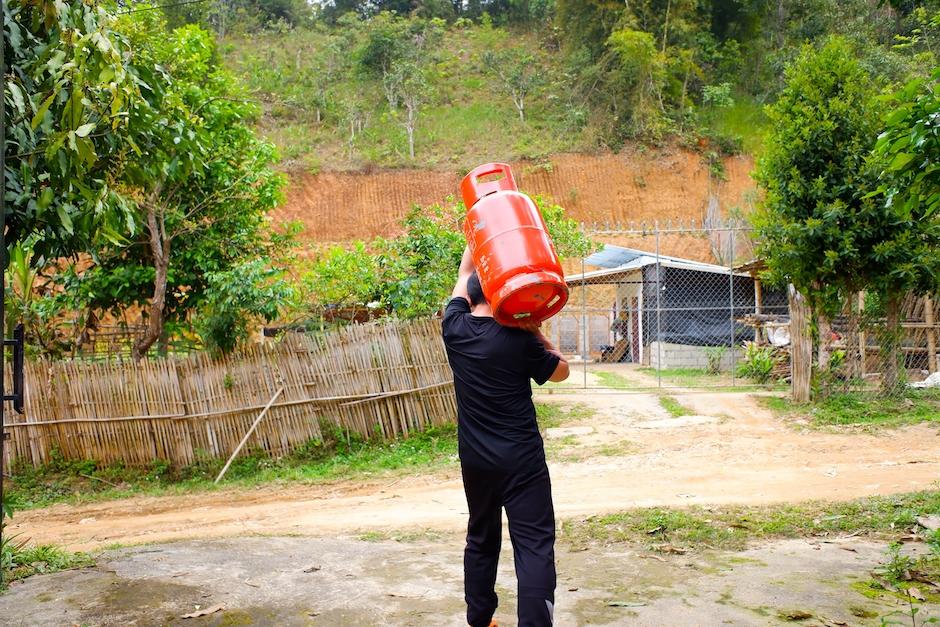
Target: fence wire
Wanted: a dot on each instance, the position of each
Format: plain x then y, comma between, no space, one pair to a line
672,308
665,307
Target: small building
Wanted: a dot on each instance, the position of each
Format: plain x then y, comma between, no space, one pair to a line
661,311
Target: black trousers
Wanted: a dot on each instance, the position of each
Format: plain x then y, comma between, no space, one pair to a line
527,497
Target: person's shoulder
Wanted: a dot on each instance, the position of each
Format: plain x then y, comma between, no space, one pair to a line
456,309
457,304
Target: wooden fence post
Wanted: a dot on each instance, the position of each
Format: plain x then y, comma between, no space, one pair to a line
801,347
862,337
931,335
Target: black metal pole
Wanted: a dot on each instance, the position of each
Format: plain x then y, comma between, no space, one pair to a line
3,246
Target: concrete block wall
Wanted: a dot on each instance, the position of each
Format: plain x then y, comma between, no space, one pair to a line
666,355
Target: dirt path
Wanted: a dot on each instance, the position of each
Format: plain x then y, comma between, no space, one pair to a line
630,454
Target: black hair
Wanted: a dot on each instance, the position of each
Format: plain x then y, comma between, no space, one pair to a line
475,290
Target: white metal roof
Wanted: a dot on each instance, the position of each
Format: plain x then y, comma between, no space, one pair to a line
618,274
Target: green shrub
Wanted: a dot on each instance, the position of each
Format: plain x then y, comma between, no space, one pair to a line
758,363
714,354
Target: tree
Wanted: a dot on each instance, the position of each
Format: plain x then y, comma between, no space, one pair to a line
641,79
65,106
413,90
903,247
517,72
823,126
234,297
200,183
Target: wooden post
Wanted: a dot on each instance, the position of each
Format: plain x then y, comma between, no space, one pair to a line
248,435
801,347
862,337
931,335
758,309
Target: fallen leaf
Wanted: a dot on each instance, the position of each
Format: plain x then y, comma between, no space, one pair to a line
625,604
205,612
668,548
795,615
312,569
849,548
916,594
931,522
572,589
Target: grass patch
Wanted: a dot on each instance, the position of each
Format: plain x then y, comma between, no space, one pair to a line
900,571
745,119
334,457
732,528
862,408
20,561
551,415
410,536
701,378
674,407
613,380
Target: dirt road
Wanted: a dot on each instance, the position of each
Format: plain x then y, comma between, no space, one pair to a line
631,453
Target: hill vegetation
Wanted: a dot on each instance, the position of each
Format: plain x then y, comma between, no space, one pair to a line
354,85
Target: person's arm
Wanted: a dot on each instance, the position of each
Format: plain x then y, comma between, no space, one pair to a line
463,274
562,370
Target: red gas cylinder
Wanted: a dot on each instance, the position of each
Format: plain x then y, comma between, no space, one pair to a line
518,267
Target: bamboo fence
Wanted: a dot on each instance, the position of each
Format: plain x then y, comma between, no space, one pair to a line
375,380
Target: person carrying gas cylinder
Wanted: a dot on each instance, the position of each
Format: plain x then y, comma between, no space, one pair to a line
501,452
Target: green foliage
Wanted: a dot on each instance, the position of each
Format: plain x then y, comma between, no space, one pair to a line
714,354
610,72
858,408
235,298
337,455
518,74
734,527
199,183
32,304
673,407
344,277
66,103
412,275
813,171
19,560
758,363
906,250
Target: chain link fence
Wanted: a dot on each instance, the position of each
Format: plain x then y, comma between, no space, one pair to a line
666,306
672,307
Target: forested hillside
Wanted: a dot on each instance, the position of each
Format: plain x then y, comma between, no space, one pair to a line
430,83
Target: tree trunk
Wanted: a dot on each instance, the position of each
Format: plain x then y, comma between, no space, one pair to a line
666,25
410,127
853,353
825,341
160,250
801,347
891,346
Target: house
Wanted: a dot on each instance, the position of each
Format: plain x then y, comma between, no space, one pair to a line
657,310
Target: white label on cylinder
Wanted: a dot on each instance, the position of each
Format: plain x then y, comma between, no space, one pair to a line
553,301
519,316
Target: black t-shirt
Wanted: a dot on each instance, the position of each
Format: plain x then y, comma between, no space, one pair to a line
492,366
